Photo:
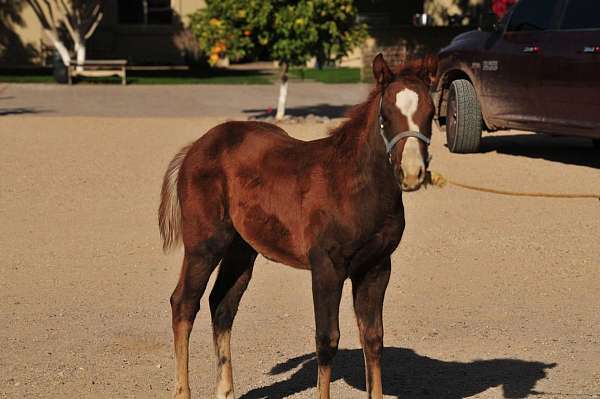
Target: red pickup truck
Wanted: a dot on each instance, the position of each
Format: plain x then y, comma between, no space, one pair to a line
537,69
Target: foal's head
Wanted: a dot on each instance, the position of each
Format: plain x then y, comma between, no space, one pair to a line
406,113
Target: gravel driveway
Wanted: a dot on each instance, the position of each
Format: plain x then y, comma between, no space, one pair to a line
176,101
490,296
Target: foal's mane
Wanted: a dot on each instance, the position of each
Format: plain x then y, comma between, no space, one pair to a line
359,117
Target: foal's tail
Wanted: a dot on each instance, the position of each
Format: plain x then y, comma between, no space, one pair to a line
169,211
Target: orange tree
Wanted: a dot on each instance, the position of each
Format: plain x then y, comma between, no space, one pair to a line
290,32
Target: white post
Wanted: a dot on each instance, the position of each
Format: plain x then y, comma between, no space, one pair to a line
282,93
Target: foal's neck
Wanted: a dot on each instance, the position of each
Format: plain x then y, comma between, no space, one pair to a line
359,139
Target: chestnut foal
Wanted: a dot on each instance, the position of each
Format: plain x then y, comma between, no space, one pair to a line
332,206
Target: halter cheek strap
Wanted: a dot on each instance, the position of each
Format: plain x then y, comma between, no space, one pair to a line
390,144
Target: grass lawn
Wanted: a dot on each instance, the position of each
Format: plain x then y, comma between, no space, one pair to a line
25,78
187,77
328,75
183,77
202,76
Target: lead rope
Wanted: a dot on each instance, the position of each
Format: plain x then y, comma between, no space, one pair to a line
438,180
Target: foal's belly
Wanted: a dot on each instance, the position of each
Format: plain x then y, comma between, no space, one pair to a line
271,236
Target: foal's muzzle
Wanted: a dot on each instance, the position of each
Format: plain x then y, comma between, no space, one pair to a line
413,181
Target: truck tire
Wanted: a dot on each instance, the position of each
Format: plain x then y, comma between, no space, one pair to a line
463,124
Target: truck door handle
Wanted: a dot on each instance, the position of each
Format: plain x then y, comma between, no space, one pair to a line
531,49
591,49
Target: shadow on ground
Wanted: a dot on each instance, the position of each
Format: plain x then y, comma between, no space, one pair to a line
407,374
19,111
568,150
328,110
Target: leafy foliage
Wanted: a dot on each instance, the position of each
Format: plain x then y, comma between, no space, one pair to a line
228,28
289,31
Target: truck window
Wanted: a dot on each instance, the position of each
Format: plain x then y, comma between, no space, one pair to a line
582,14
531,15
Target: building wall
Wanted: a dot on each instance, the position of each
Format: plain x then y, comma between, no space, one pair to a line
31,32
397,43
154,44
186,7
139,44
404,42
20,41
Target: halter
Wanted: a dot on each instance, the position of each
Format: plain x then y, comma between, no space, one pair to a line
390,144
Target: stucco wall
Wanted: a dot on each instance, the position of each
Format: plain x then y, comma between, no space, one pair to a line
31,32
137,43
186,7
399,43
20,43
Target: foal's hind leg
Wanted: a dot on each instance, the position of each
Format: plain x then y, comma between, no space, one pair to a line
233,278
198,264
368,291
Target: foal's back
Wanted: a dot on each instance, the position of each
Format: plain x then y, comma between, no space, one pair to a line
254,178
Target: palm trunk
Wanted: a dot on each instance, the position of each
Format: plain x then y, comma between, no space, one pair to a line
282,93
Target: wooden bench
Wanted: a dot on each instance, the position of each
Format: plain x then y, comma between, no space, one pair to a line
99,68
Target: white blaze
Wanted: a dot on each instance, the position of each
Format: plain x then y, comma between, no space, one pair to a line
412,163
407,102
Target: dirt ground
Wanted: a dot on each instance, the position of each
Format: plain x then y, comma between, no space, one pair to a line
490,296
189,101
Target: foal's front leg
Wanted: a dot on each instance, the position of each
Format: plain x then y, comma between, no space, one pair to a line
368,291
327,285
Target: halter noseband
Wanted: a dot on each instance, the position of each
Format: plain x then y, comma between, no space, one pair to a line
390,144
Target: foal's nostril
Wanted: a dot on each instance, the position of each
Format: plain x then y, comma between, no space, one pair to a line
400,174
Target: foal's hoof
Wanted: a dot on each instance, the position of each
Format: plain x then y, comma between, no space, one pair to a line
227,395
181,393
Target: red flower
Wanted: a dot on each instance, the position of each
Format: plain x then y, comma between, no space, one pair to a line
500,7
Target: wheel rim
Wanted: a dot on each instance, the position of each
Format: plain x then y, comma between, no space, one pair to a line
452,120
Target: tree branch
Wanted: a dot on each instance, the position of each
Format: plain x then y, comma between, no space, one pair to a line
95,24
49,27
64,14
51,15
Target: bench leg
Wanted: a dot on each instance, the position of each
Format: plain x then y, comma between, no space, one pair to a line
124,77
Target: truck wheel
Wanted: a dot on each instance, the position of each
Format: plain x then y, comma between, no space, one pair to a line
463,124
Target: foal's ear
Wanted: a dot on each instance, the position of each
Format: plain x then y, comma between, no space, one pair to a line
430,64
381,71
427,70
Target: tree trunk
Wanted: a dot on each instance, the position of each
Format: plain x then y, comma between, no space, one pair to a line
282,93
80,52
62,50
